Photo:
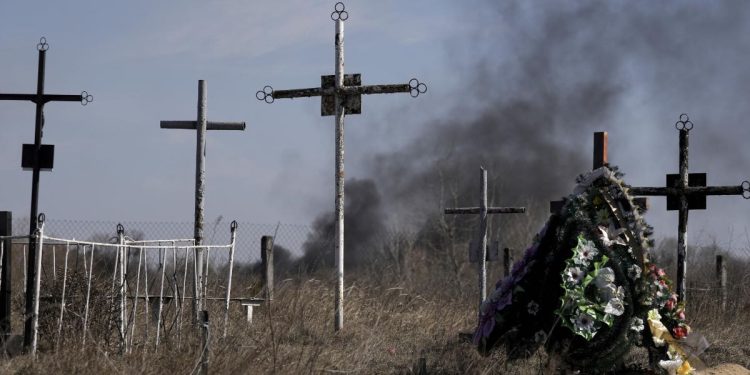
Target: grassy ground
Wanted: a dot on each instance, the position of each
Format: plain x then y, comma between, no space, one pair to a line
387,329
392,318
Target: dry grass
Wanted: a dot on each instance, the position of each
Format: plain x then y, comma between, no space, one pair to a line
389,323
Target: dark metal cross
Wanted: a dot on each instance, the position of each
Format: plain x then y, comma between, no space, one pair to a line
38,157
340,95
478,247
687,191
200,125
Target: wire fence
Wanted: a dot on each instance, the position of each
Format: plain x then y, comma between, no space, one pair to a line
290,236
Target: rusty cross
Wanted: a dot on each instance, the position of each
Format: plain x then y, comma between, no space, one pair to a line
38,157
601,159
200,125
340,95
687,191
478,247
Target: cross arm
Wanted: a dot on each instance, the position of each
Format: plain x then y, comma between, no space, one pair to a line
45,98
375,89
705,190
210,125
297,93
490,210
30,97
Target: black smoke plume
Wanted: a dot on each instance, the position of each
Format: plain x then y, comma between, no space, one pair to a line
364,224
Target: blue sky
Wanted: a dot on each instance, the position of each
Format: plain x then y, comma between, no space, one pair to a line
142,59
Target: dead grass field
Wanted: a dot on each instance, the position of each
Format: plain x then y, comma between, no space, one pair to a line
392,318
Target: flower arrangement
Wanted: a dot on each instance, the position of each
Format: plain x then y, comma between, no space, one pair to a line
585,288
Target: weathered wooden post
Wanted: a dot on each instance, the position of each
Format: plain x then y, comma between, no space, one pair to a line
204,342
721,278
507,261
266,255
201,125
38,157
6,230
478,247
341,94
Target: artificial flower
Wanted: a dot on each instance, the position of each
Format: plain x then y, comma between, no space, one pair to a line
574,275
532,308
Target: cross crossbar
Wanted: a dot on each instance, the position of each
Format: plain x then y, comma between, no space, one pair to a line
210,125
346,90
490,210
45,98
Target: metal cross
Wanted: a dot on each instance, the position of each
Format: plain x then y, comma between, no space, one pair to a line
478,247
38,157
200,125
687,191
340,95
601,140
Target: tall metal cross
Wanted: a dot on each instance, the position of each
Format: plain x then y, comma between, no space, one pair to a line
200,125
340,95
478,248
38,157
601,159
687,191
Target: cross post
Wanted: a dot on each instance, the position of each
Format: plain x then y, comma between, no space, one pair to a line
38,157
601,159
341,94
201,125
478,247
687,191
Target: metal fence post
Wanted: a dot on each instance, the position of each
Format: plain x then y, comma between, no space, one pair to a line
39,236
6,229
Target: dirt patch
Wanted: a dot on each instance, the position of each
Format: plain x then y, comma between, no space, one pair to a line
725,369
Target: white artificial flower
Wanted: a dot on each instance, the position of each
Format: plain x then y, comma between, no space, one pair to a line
636,324
586,252
574,275
671,365
614,307
584,322
606,276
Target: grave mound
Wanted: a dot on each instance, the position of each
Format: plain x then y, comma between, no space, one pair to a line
587,292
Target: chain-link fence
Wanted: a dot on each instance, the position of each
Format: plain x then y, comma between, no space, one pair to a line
216,232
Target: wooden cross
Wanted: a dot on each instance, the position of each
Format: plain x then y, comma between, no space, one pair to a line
38,157
687,191
478,247
340,95
200,125
601,140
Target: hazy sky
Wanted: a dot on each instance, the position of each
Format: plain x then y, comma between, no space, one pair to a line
142,59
